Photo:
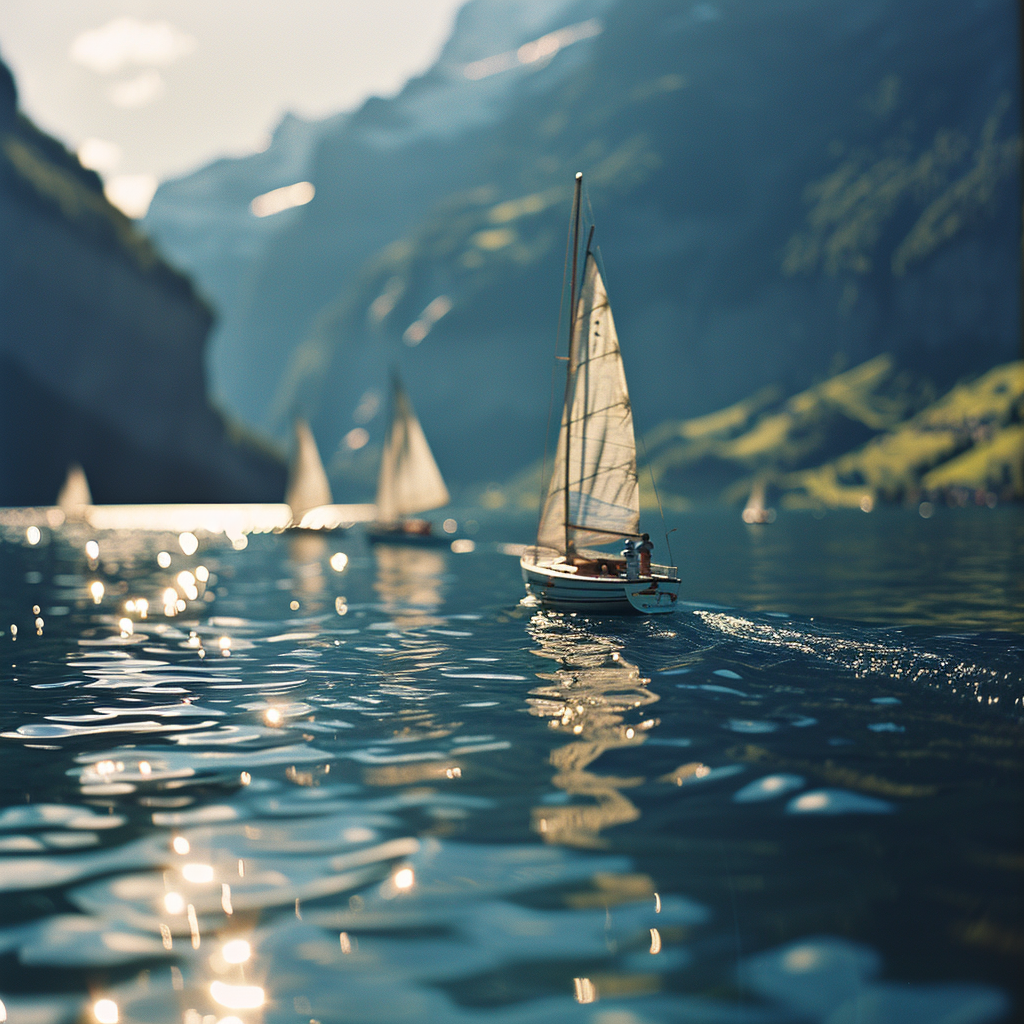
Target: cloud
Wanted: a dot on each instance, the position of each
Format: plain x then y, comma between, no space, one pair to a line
126,41
537,51
137,92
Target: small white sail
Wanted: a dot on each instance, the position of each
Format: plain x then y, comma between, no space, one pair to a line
755,510
74,496
307,482
596,438
409,480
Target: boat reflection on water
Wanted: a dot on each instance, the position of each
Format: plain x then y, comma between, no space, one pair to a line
307,553
409,583
589,698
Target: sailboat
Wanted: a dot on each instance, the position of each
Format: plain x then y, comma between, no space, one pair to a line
594,495
409,481
75,498
308,494
755,511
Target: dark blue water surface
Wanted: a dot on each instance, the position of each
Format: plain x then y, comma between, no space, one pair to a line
386,789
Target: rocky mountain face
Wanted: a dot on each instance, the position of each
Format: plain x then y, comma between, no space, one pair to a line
780,190
101,347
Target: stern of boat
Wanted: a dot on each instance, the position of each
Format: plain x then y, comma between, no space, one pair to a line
653,596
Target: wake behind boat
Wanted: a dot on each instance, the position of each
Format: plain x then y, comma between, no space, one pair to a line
594,495
409,481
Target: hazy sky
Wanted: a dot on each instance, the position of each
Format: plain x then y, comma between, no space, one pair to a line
157,87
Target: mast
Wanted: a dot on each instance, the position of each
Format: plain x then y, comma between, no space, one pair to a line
572,350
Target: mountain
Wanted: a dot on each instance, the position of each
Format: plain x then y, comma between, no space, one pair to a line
779,189
204,221
102,347
377,172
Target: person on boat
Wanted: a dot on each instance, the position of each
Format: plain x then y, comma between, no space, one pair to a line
419,527
644,549
629,552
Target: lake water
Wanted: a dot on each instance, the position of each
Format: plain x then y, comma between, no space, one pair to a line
381,788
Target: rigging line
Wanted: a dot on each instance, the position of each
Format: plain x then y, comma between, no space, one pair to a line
627,465
602,471
598,258
551,398
605,471
596,251
647,462
610,354
610,533
583,417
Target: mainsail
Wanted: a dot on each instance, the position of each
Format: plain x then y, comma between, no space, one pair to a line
74,495
409,480
596,455
307,482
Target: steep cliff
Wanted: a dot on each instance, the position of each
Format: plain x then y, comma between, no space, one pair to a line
101,347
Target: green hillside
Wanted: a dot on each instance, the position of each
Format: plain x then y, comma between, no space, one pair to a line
970,440
867,435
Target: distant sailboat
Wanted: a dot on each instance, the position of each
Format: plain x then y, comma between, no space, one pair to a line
755,510
308,488
75,497
409,481
594,494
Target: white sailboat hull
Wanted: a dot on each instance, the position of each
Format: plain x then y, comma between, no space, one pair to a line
555,586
